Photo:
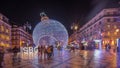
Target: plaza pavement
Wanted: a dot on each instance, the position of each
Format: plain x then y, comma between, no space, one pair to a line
65,59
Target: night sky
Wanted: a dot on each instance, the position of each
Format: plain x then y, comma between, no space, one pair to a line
66,12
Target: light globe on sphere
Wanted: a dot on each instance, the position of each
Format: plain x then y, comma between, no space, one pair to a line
49,31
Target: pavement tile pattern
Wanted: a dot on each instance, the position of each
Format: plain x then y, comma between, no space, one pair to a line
65,59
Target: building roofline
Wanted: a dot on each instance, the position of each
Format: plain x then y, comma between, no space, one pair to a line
97,14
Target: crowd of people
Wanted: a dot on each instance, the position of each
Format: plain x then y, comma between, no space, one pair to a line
14,50
107,47
45,51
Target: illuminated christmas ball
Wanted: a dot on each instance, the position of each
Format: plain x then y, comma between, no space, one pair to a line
49,32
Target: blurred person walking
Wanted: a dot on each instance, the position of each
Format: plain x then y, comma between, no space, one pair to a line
2,51
49,52
15,51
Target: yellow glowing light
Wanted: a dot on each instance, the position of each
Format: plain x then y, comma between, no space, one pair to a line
113,42
106,41
76,27
115,33
7,30
2,36
21,42
103,42
7,45
7,38
2,44
108,33
2,28
117,30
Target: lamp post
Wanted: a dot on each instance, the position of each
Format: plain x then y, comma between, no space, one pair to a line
75,27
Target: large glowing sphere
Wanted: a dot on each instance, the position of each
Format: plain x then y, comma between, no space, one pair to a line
49,32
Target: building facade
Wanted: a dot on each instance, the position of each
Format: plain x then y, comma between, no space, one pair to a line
5,31
20,37
104,28
75,37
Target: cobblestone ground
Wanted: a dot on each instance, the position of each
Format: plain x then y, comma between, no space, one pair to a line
65,59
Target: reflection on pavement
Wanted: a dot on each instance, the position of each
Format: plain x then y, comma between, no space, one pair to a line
65,59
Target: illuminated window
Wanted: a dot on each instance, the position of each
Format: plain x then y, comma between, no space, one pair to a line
7,38
7,45
115,33
108,33
103,42
2,28
113,42
7,30
108,41
2,44
0,36
108,26
115,26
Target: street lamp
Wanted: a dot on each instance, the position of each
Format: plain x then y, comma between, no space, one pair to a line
74,27
117,30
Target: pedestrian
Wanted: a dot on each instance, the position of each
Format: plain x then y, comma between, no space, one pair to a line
1,56
44,51
106,46
52,48
15,51
114,49
118,50
39,50
109,46
49,52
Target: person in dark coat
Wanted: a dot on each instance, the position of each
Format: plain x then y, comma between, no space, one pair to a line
52,49
15,51
49,52
1,55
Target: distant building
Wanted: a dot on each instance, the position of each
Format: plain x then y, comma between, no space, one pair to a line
103,29
74,38
5,31
20,37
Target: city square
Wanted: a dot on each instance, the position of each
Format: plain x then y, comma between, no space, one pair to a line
56,34
77,59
